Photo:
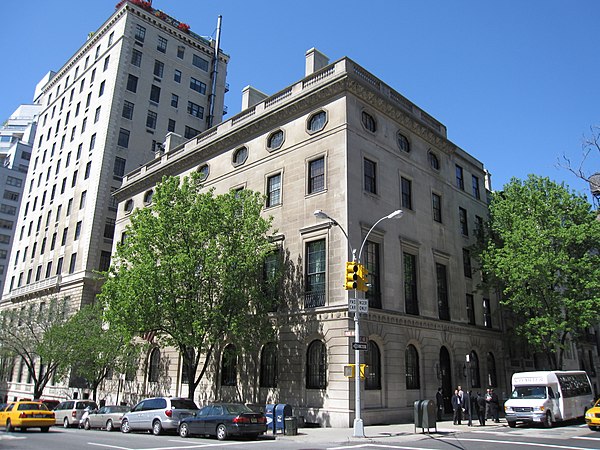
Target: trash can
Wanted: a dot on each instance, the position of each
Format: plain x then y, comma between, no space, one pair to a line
269,410
281,412
290,426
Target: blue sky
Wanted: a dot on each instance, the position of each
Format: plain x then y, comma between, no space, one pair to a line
514,81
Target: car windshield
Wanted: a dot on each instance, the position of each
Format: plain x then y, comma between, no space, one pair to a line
31,407
238,409
183,403
529,392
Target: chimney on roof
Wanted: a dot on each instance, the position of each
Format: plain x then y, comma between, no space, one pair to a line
315,60
251,96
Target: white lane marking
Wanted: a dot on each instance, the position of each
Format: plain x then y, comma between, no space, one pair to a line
178,447
531,444
398,447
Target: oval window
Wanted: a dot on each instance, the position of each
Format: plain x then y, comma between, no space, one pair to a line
240,156
275,140
403,143
434,162
368,122
204,171
129,205
317,121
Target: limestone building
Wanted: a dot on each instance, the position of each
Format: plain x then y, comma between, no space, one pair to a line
141,75
342,141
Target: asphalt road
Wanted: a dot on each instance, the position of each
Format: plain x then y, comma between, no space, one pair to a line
400,437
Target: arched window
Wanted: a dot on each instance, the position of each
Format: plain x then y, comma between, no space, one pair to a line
275,140
411,359
316,366
129,206
434,161
403,143
240,156
317,121
368,122
229,366
492,379
474,368
148,197
154,365
373,362
268,365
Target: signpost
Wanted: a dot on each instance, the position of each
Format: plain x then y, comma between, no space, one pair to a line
359,346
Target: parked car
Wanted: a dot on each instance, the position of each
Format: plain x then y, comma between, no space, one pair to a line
223,420
50,404
26,414
68,413
158,414
108,417
592,417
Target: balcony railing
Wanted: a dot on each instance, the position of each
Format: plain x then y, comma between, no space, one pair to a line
49,284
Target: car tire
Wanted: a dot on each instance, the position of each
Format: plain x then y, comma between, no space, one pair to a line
548,422
184,430
45,429
125,426
156,428
86,425
221,432
109,425
66,423
512,424
9,426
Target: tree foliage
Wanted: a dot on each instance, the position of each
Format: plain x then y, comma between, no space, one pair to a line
190,270
542,251
33,334
93,349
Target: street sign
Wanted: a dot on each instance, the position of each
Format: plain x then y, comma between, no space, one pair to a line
351,305
349,333
363,305
359,346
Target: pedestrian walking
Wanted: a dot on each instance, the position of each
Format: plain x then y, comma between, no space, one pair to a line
495,406
456,408
466,405
481,407
439,400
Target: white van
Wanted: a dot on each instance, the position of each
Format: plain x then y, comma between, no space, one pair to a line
548,397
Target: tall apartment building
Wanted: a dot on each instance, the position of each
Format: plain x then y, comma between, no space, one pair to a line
342,141
16,142
141,75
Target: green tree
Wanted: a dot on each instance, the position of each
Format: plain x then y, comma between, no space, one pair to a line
190,270
93,349
542,252
33,334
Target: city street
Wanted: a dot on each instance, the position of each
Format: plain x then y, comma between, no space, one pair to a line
564,437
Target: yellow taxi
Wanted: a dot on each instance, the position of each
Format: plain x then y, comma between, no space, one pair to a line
26,414
592,416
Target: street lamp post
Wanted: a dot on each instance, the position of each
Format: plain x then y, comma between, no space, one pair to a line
359,430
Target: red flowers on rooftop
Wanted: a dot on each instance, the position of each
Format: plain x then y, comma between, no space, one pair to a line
184,27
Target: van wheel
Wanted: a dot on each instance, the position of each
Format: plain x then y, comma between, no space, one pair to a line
548,422
512,424
66,423
125,426
156,428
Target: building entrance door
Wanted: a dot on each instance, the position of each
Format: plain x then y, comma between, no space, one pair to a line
446,372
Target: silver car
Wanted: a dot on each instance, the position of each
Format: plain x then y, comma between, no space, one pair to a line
108,417
158,414
68,413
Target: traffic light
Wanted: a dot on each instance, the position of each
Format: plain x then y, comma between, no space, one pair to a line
351,276
362,278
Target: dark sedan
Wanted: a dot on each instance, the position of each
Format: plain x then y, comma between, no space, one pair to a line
223,420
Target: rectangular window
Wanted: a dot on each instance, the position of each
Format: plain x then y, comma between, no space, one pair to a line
479,228
159,68
63,239
59,265
136,58
199,62
127,110
140,33
274,190
88,168
97,114
101,90
12,181
83,125
470,309
487,313
132,82
197,85
442,291
467,269
475,182
77,231
171,125
190,132
109,228
49,269
316,174
411,301
10,195
92,142
82,200
315,274
406,193
151,119
155,94
460,182
104,261
73,262
119,168
161,45
180,51
123,140
174,100
462,217
195,110
177,76
69,206
370,176
372,265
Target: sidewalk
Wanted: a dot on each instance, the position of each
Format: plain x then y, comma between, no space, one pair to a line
380,432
